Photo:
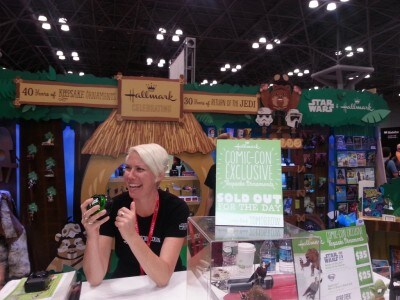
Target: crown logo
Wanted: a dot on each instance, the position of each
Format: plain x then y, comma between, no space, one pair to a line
357,101
151,87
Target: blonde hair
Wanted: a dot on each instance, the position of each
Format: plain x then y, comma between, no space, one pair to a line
154,156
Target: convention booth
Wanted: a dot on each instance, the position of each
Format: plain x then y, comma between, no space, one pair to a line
317,133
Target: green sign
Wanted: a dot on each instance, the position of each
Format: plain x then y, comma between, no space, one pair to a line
249,183
341,264
341,107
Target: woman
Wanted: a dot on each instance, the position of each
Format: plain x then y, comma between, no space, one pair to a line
147,224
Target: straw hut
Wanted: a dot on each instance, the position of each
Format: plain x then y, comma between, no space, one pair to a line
111,140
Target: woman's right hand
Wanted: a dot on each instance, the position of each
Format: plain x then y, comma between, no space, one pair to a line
90,219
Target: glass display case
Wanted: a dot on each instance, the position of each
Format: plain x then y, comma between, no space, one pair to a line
236,262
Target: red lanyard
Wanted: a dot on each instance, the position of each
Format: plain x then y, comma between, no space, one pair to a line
151,230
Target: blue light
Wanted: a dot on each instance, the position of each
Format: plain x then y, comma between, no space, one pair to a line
69,165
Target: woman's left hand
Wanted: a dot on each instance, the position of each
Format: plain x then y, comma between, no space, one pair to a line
126,220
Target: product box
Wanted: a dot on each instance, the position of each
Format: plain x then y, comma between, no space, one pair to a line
232,262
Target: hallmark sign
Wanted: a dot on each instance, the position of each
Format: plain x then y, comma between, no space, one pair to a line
152,99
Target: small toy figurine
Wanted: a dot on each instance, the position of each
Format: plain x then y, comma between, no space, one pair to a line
259,274
312,289
378,289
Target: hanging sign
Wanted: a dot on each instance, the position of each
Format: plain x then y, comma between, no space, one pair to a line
220,103
249,183
341,107
146,98
65,94
338,268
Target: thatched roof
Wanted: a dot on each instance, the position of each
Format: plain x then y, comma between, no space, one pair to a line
113,137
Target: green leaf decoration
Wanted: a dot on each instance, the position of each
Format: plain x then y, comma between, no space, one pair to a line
375,116
32,208
32,149
50,162
51,191
32,176
28,107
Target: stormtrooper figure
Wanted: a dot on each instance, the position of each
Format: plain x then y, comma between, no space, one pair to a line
264,116
293,118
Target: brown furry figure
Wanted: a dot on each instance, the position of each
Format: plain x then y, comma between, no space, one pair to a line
312,258
280,96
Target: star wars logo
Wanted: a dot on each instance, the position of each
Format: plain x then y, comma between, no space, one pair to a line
333,257
321,105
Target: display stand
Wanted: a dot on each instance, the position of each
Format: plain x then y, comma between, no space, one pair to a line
220,281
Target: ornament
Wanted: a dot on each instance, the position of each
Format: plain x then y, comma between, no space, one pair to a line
32,209
51,192
49,139
32,150
50,164
32,179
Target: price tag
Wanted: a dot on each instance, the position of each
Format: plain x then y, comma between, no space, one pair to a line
366,294
361,255
364,275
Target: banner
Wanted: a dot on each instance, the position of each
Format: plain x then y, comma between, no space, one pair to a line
153,99
249,183
65,94
341,107
339,269
220,103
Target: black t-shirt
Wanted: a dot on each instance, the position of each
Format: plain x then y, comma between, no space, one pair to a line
171,222
211,182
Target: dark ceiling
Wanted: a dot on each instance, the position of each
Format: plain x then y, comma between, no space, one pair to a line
118,35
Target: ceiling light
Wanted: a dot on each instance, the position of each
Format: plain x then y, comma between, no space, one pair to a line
149,61
205,81
62,20
227,66
306,71
269,46
175,38
81,73
277,41
214,82
296,71
62,57
238,67
70,72
59,52
255,45
179,32
74,53
64,27
316,87
367,76
313,4
350,54
290,73
42,18
344,0
162,61
76,58
331,6
162,30
160,65
262,40
299,74
360,49
46,26
337,53
234,70
223,69
348,48
159,37
351,78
